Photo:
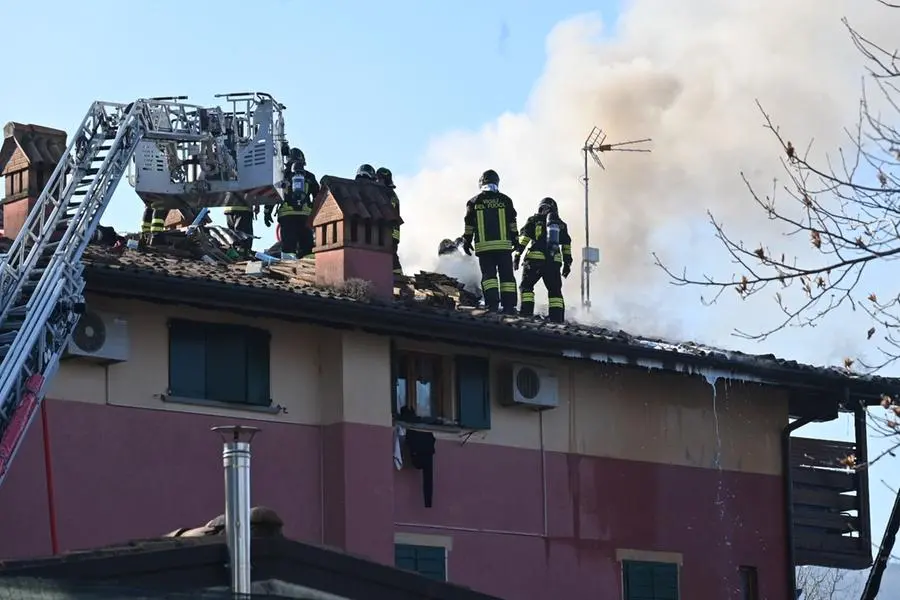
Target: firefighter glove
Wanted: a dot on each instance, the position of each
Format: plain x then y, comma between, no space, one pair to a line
267,218
567,268
516,258
467,247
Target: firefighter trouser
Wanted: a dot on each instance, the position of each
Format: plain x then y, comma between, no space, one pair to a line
398,268
498,282
154,220
241,221
296,236
551,272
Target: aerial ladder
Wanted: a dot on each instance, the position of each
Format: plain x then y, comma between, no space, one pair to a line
41,280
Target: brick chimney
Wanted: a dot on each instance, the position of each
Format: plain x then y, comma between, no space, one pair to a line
28,156
352,221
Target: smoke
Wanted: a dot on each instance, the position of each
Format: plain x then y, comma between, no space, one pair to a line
685,74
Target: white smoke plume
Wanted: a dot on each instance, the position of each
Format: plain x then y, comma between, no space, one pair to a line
685,74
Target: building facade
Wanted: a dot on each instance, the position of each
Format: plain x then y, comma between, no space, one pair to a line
652,472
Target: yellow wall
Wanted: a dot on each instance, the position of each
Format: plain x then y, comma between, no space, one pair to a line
325,376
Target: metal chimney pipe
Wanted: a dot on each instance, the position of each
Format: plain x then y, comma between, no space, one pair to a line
236,460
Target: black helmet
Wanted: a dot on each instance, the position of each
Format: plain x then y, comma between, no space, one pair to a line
489,177
447,247
383,175
547,205
365,171
297,167
297,155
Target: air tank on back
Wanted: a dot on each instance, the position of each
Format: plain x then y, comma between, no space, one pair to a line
239,159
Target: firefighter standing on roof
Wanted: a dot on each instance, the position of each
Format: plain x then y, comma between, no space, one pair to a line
239,217
549,258
490,231
153,224
384,176
300,191
365,172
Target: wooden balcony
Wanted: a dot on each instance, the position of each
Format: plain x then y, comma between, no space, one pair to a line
830,505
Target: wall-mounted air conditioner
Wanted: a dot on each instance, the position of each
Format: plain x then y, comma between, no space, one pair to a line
101,337
525,385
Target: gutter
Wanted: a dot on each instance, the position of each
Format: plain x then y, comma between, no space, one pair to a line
323,309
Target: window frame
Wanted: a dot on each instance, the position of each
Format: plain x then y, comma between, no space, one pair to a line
422,547
257,364
464,389
749,576
628,563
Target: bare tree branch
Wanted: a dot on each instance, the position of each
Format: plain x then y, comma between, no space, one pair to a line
819,583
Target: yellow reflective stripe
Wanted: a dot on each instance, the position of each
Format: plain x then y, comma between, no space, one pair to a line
145,227
508,286
288,210
524,240
501,218
567,249
469,230
527,296
233,209
489,284
556,303
396,233
535,255
498,245
479,221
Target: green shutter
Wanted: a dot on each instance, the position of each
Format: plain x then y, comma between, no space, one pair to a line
650,580
473,391
428,561
187,359
259,391
226,364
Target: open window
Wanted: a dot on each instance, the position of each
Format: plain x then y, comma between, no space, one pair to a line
441,389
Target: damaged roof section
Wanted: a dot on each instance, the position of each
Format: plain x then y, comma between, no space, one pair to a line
40,145
347,199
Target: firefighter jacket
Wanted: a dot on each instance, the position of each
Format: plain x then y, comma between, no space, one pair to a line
298,201
534,232
490,222
395,202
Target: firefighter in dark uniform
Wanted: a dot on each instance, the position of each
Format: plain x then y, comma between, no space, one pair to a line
301,189
153,223
549,258
365,172
490,231
384,176
239,217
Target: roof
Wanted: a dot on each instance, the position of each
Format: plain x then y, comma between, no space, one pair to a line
354,199
41,145
435,306
193,561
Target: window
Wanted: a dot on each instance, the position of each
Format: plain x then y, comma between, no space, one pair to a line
749,583
222,363
649,580
437,389
430,561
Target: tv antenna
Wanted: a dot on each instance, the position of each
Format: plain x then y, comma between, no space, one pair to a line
594,144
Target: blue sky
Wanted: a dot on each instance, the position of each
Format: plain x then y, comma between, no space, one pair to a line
362,82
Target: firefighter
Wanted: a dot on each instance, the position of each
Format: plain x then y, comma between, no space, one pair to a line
549,258
153,223
365,172
301,189
239,217
490,230
384,176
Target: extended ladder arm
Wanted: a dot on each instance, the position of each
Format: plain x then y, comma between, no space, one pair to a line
41,283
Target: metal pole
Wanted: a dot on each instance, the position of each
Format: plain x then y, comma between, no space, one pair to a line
236,461
585,266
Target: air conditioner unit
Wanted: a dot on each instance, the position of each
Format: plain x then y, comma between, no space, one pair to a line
100,337
534,387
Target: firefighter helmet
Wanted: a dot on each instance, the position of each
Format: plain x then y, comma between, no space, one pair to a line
297,156
489,177
547,205
383,175
365,171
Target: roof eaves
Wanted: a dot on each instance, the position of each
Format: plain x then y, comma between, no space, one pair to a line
455,326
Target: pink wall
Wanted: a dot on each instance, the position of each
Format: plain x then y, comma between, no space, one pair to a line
124,473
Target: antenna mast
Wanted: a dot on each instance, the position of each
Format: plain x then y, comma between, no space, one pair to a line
593,146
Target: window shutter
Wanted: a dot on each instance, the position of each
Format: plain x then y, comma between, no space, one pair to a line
226,374
259,390
650,581
187,359
473,392
428,561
